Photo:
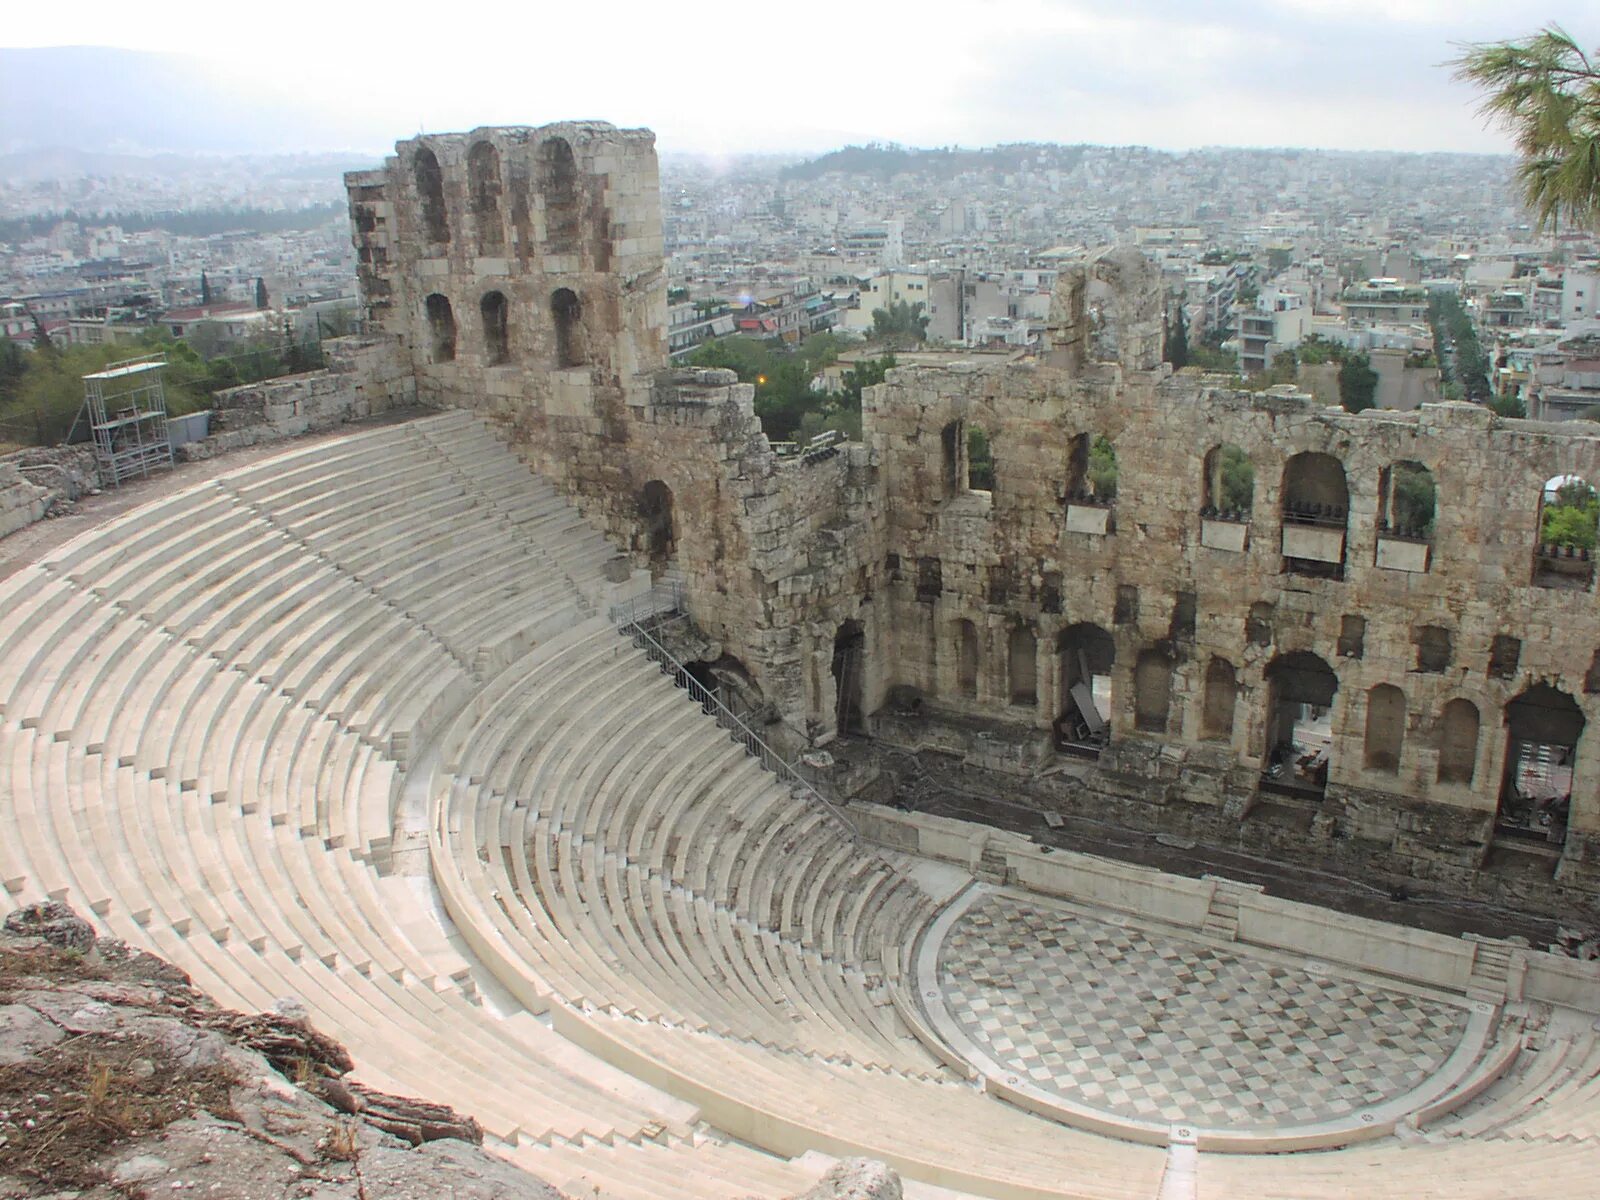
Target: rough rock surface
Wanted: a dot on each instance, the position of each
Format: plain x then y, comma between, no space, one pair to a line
856,1179
119,1080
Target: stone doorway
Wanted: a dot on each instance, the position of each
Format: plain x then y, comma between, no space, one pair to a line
1085,654
849,663
1300,691
660,531
1543,726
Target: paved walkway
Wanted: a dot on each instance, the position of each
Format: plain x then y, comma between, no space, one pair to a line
1153,1028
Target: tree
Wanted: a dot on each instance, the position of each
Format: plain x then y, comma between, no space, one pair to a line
205,288
1507,406
1546,92
261,292
866,373
902,323
1358,383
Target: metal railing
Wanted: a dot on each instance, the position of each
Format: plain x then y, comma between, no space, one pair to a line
737,729
662,598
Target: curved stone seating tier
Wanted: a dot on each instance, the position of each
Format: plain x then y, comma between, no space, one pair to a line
1551,1090
671,1169
552,777
1492,1169
198,704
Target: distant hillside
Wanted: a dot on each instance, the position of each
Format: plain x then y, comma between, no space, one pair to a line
884,161
61,162
200,222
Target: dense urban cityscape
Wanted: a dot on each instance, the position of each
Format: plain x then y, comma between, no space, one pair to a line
1261,252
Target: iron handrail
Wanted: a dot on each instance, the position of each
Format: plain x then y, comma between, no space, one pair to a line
741,733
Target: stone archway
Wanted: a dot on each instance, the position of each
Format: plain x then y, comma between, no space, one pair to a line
660,530
1543,727
1299,743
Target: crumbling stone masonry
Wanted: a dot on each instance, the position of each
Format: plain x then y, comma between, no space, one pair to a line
1220,572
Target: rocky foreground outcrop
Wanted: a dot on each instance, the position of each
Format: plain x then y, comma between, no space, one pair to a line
119,1081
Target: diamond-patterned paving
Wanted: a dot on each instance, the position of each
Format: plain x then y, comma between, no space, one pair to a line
1157,1029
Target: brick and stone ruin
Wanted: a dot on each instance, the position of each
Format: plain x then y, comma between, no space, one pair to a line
695,817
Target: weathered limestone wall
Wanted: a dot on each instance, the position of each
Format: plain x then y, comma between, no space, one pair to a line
364,377
21,502
1010,561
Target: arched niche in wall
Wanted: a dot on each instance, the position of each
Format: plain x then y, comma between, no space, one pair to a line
429,180
483,186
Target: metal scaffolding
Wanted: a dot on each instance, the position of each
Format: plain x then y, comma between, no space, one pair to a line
127,409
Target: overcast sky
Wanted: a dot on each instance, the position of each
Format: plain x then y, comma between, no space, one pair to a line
1355,74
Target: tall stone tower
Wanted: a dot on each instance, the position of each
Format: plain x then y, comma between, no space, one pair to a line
519,268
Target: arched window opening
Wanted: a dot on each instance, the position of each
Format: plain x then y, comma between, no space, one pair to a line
1091,470
1091,484
980,460
441,328
1386,729
1024,663
1221,698
849,661
1543,726
1085,654
430,197
483,184
952,447
567,312
967,659
1229,485
1316,504
1458,742
1152,691
1227,494
1407,500
1300,691
1569,512
496,336
558,180
659,526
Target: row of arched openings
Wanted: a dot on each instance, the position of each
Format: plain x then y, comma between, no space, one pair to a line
1314,499
566,315
1543,723
557,183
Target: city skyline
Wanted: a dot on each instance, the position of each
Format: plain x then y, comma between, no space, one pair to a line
1361,75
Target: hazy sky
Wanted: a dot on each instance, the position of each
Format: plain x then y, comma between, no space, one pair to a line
764,76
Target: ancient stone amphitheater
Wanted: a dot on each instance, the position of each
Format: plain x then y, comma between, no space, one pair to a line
377,724
352,725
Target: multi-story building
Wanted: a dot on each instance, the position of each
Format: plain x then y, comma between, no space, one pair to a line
1277,322
1384,302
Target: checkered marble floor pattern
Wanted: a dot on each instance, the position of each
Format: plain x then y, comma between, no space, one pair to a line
1147,1027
